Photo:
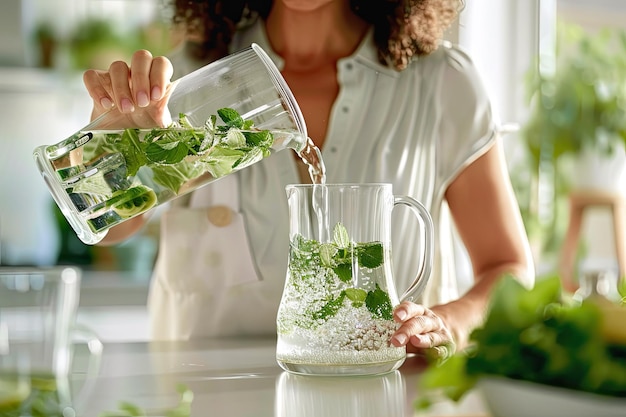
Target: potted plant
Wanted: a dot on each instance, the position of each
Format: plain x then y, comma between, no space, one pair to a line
46,38
576,130
578,110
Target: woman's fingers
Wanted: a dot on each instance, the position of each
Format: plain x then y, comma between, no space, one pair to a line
98,85
129,87
161,73
406,310
429,340
122,96
418,327
141,65
423,330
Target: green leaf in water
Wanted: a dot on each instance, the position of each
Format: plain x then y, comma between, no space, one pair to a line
234,139
231,117
131,148
370,254
357,296
344,272
340,236
222,159
261,138
167,151
379,304
330,308
327,252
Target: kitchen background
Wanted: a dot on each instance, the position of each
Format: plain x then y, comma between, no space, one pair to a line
45,45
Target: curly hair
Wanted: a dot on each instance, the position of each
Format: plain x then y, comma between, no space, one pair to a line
403,29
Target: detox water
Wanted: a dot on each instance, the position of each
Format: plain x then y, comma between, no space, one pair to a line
110,176
335,316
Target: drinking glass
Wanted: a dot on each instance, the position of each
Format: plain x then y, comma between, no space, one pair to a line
14,376
214,121
38,331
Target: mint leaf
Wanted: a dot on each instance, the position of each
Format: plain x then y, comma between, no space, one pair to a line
221,159
166,151
370,255
130,147
357,296
235,139
344,272
174,176
327,252
249,158
379,304
209,134
261,138
330,308
340,236
231,117
127,203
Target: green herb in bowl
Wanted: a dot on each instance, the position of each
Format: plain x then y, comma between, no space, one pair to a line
540,337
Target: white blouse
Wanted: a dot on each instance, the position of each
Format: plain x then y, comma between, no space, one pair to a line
416,129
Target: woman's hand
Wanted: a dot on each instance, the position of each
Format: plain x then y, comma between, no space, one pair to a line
422,331
136,93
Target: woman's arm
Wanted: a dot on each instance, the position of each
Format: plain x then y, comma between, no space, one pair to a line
487,217
124,230
488,220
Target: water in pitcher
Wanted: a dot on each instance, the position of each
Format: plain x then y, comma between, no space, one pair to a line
113,175
335,315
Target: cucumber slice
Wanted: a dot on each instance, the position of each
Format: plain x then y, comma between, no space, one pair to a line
135,200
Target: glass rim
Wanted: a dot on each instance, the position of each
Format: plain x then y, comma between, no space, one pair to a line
343,185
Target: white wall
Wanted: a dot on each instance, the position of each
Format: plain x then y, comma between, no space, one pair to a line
501,36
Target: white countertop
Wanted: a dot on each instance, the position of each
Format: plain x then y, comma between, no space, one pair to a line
241,378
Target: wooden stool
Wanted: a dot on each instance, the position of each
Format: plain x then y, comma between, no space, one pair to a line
579,201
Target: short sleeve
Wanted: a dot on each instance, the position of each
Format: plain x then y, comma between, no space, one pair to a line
468,127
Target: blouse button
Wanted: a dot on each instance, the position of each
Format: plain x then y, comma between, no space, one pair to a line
349,66
345,109
220,216
333,149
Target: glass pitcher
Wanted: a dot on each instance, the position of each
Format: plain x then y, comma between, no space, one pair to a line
218,119
335,315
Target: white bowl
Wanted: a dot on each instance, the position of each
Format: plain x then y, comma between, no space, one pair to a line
505,397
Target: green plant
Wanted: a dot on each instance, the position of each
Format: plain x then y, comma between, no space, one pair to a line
93,37
581,102
538,335
577,102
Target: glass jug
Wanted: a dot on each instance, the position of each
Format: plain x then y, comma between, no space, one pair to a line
335,315
218,119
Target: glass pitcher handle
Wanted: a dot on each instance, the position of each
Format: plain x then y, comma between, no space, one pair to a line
422,277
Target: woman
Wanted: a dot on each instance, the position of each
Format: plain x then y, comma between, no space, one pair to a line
386,101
